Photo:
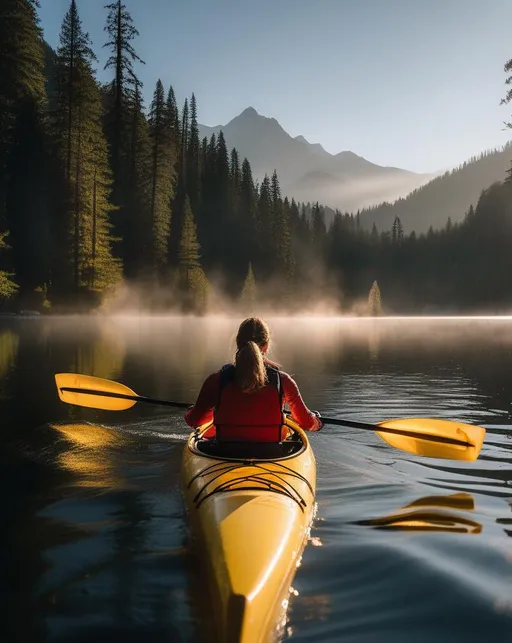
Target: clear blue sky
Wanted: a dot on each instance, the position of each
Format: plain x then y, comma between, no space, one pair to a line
410,83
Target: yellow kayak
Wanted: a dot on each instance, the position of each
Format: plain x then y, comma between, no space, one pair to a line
251,512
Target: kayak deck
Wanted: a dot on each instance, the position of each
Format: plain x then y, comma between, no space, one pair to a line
251,517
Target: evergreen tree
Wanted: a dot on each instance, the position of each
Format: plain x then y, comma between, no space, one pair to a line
265,255
162,180
193,279
83,240
182,178
207,209
189,256
304,234
121,101
248,296
374,300
397,232
224,237
248,211
193,156
138,235
318,229
374,234
281,233
23,157
173,118
508,81
184,140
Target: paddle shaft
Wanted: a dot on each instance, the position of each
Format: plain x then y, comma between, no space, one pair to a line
348,423
411,434
123,396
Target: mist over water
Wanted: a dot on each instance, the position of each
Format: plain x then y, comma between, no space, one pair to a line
95,543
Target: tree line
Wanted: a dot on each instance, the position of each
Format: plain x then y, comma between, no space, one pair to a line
97,190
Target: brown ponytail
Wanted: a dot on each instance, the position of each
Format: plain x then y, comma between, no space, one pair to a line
250,371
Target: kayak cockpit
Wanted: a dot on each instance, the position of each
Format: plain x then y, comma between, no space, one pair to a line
205,443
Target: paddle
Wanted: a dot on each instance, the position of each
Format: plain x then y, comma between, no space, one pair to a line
422,436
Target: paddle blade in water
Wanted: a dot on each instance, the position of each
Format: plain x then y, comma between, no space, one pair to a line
439,435
102,388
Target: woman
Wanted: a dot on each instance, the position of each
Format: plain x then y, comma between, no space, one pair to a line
245,399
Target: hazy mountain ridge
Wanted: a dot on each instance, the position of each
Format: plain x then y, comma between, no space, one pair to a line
448,195
307,171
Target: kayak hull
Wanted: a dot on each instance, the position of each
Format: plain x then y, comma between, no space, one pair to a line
250,518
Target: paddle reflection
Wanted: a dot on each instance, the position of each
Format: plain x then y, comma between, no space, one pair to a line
427,514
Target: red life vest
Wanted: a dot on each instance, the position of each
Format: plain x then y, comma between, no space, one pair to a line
249,417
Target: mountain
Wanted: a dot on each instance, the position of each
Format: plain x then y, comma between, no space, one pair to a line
449,195
307,171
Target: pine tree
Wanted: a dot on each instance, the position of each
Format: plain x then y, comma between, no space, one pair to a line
248,211
374,300
192,277
318,229
178,203
397,232
173,118
224,236
206,222
83,231
138,237
235,178
162,180
189,256
266,255
23,158
248,296
508,81
281,233
374,234
121,96
193,155
184,141
304,234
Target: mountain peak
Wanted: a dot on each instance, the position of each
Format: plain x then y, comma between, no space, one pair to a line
307,171
249,112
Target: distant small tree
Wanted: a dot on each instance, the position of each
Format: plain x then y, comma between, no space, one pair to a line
248,295
397,232
374,301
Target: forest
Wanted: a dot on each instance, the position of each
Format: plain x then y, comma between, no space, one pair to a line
104,200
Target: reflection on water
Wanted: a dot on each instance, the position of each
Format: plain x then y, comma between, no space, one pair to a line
431,519
96,545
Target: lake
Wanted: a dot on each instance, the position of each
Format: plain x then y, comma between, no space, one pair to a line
94,536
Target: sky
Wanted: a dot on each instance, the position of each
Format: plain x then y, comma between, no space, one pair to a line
415,84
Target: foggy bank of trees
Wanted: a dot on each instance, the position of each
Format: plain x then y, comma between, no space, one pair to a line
96,190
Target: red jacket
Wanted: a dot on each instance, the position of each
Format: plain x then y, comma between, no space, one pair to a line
247,414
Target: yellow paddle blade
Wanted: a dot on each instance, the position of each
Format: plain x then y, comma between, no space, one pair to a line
437,434
98,401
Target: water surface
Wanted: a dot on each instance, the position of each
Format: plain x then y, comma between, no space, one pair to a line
94,537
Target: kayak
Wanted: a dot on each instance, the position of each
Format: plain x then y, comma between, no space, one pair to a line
251,506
